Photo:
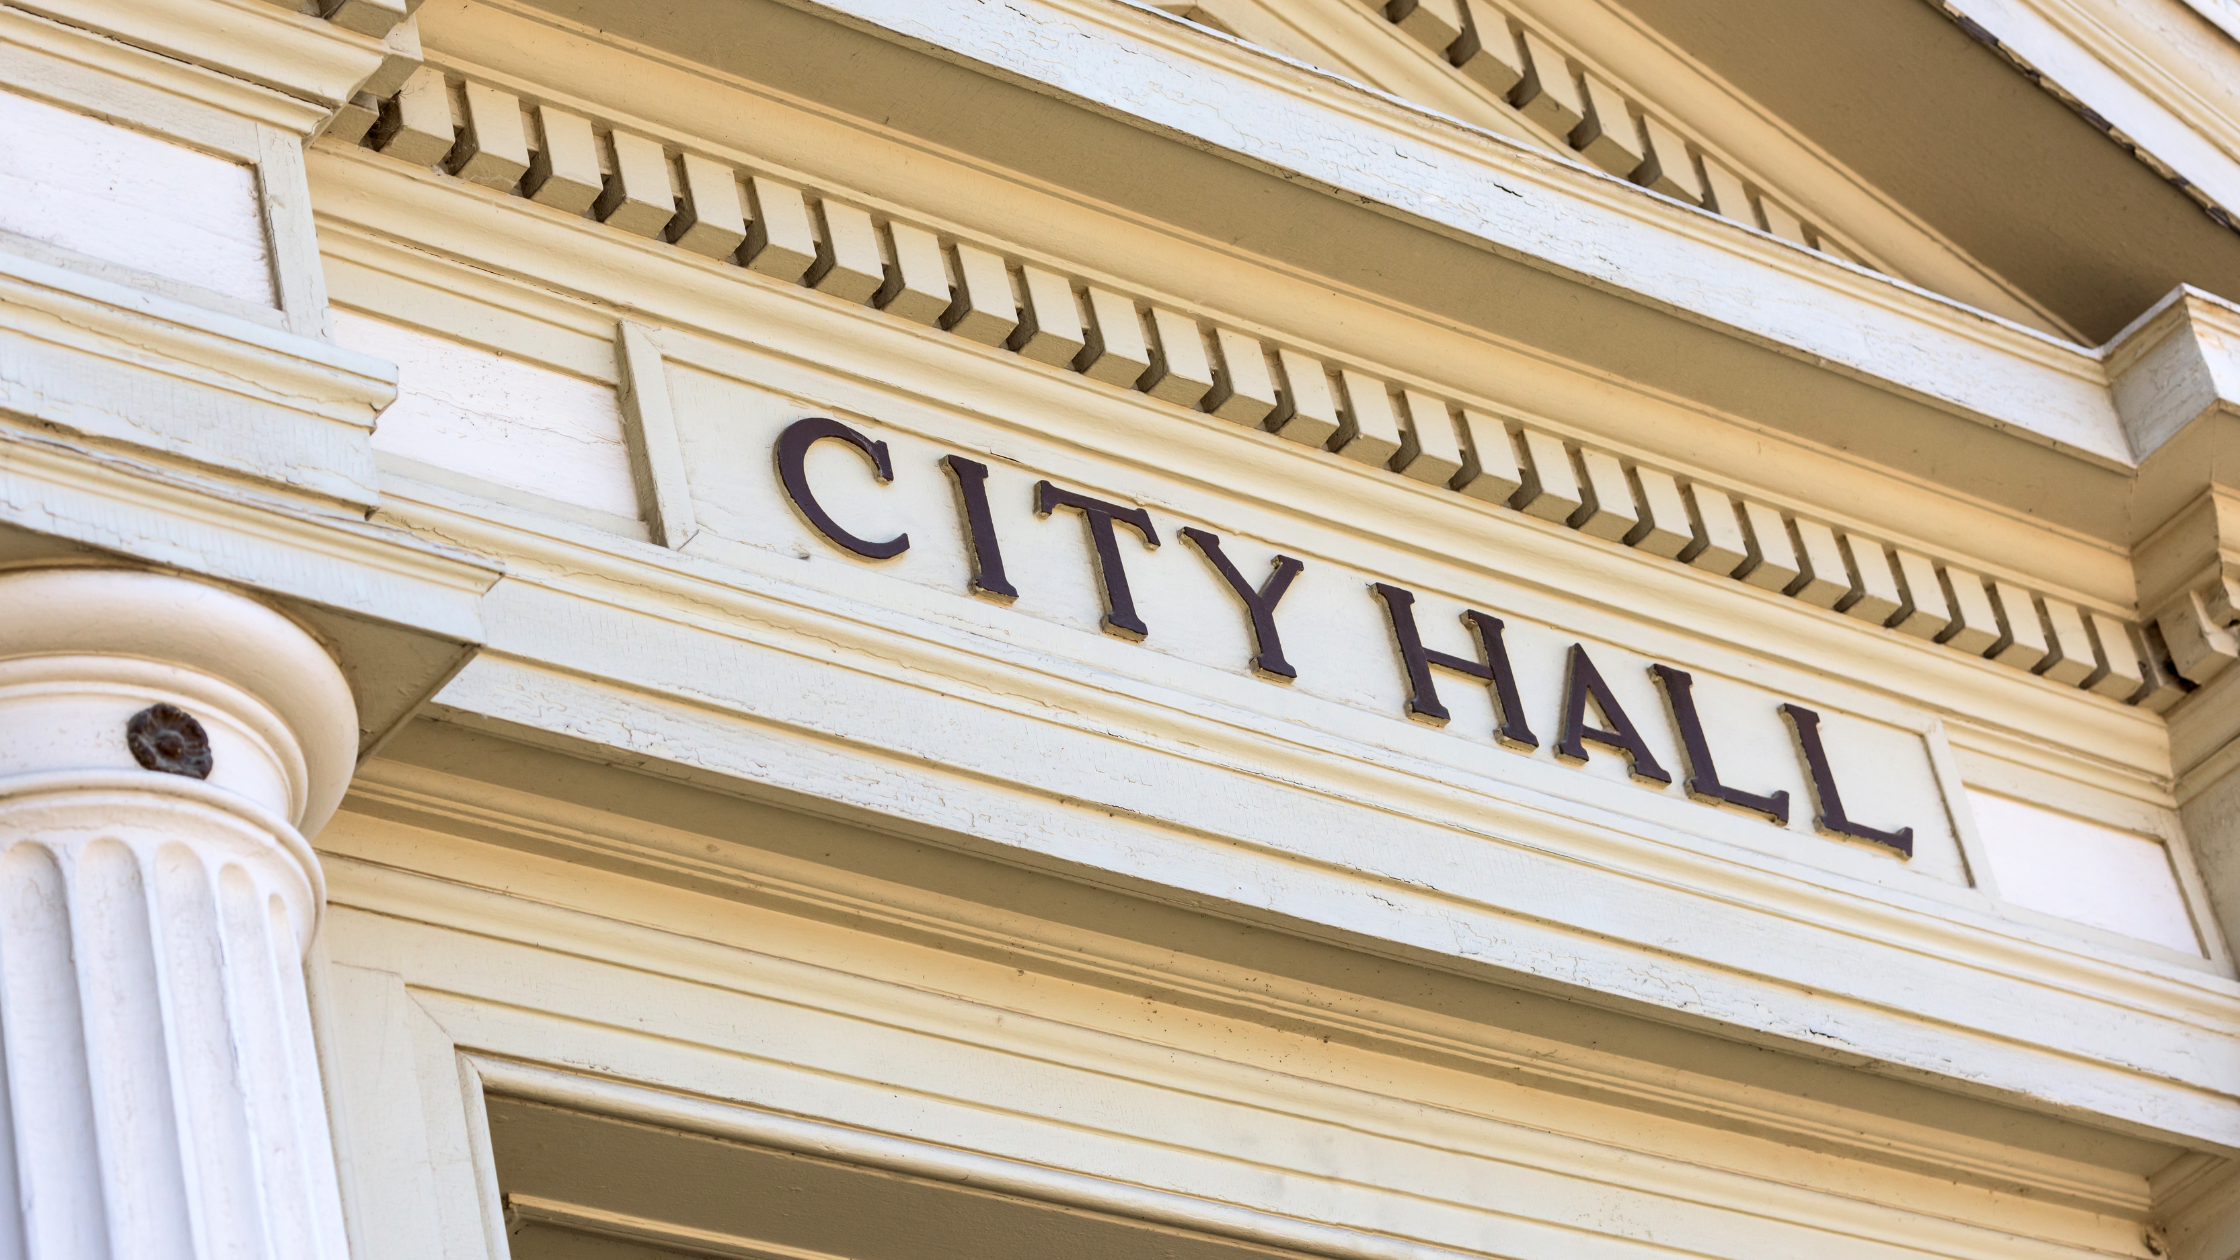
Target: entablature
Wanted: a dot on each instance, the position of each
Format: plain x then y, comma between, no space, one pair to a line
726,262
1561,446
578,595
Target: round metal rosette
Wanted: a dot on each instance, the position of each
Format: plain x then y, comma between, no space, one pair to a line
166,738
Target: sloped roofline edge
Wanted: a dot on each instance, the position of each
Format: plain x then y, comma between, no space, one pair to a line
1150,70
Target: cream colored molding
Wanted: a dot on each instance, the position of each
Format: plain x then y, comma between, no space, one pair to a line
1441,440
656,459
425,907
2177,382
267,44
197,108
2197,1209
131,368
410,1120
2175,365
461,927
2136,71
120,78
445,803
163,517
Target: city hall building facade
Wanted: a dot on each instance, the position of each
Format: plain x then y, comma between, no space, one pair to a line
891,629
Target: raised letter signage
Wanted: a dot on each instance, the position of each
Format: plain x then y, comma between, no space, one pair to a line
1588,712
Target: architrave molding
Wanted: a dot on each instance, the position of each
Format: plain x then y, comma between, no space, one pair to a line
405,793
453,951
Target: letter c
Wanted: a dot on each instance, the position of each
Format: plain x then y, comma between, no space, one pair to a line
793,453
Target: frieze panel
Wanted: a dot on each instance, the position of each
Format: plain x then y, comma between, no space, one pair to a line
1518,694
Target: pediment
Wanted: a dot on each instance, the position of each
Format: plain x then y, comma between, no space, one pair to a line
1696,106
1628,104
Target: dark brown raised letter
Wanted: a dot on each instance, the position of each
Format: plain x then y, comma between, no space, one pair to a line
1120,617
1492,668
988,578
793,452
1582,681
1703,775
1259,605
1828,812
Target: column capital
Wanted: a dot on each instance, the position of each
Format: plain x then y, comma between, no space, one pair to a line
83,650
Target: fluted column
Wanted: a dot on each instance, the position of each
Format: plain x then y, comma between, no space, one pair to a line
164,747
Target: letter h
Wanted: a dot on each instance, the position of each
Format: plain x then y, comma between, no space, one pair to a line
1491,667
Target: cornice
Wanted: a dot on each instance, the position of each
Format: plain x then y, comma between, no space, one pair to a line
236,534
26,35
235,394
1463,182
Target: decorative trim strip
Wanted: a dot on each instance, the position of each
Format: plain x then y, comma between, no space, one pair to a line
438,800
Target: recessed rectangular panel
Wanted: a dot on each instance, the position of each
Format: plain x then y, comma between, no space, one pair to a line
2088,872
126,197
498,420
1333,631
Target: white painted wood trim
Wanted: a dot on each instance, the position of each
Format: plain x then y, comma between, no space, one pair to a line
93,353
656,458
